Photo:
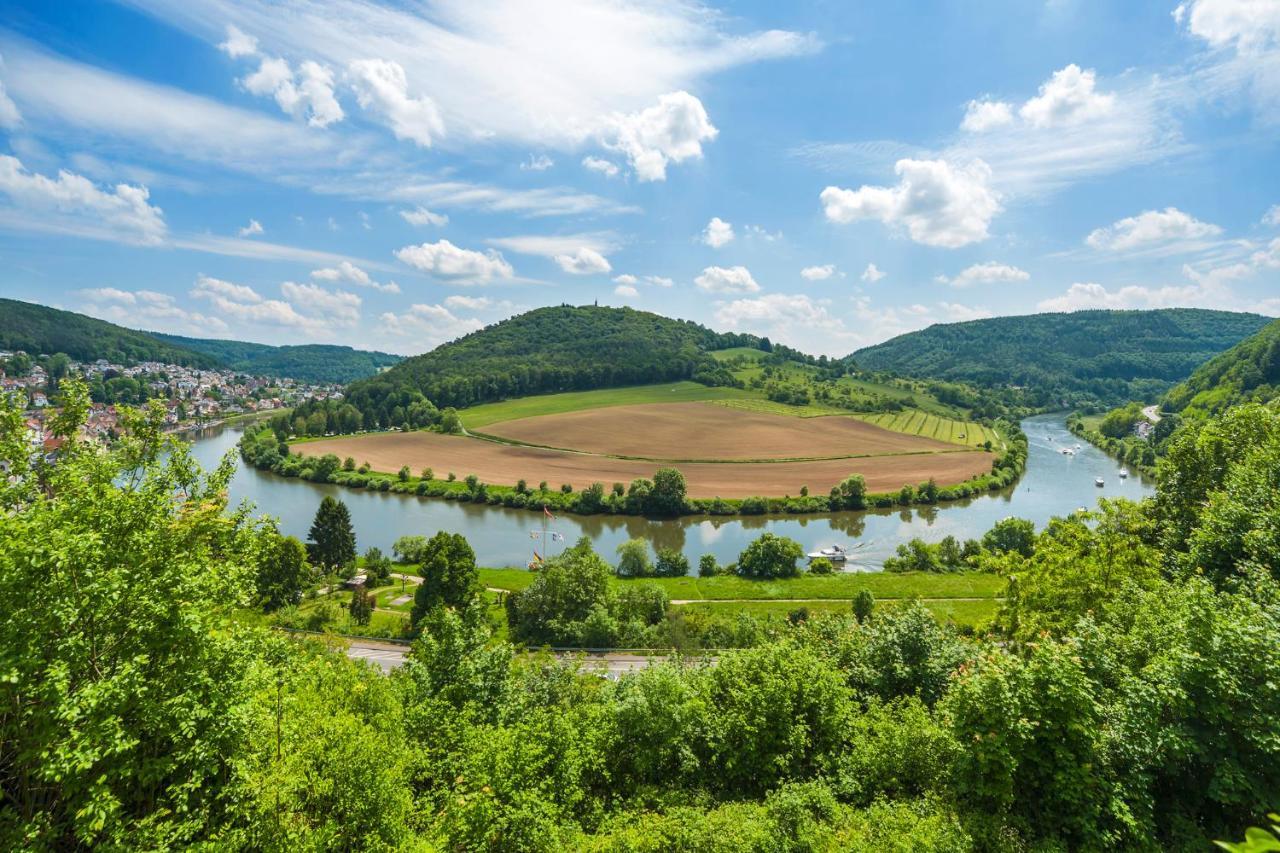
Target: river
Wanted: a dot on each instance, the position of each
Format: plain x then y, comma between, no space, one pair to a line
1054,484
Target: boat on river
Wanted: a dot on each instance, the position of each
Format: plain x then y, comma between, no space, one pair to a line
835,554
1124,472
1098,481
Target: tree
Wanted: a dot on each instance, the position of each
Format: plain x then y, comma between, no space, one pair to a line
377,567
410,549
821,566
404,474
671,564
770,556
1016,535
450,421
851,493
361,607
282,573
864,604
666,497
707,566
633,559
332,539
449,575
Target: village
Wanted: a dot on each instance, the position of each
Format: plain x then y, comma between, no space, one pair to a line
193,398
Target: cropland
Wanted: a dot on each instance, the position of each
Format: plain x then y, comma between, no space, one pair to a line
722,451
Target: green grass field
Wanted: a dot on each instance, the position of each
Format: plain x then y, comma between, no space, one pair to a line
573,401
838,586
974,613
917,422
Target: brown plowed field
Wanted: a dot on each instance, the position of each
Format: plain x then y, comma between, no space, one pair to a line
502,464
708,431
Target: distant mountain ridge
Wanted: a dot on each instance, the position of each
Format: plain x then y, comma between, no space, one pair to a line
305,362
40,329
1249,371
1106,357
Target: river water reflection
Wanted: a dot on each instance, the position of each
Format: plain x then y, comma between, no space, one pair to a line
1054,484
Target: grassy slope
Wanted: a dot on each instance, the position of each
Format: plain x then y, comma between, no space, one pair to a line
961,612
573,401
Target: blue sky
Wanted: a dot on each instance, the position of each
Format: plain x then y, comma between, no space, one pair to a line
831,174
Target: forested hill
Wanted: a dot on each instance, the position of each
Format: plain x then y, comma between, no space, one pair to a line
551,349
1106,357
40,329
308,362
1249,371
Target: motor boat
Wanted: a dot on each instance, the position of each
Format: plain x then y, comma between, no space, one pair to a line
835,554
1067,451
1124,472
1097,481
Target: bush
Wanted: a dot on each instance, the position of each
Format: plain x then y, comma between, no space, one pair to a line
633,559
770,556
822,566
671,564
707,566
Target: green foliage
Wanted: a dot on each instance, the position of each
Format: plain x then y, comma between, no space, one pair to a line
304,362
1120,422
1083,357
920,556
546,350
38,329
770,556
633,559
332,539
863,605
671,563
666,497
1249,371
410,549
361,606
707,566
822,566
448,575
1257,839
1011,535
377,567
282,573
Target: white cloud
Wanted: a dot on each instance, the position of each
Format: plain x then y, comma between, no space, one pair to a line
598,164
583,261
73,202
148,309
659,281
794,319
1151,227
382,88
209,287
671,131
429,324
626,291
872,274
445,260
818,273
238,44
939,204
10,117
1069,97
253,229
469,303
332,308
756,232
537,163
625,280
349,272
542,201
983,115
550,245
307,94
987,273
1272,216
717,233
421,216
1088,295
1248,25
727,280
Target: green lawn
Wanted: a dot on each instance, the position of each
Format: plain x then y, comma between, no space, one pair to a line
974,613
572,401
838,586
918,422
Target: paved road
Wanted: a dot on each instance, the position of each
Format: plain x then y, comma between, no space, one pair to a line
388,656
1152,413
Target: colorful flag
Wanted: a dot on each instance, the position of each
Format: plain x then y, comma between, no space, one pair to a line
547,512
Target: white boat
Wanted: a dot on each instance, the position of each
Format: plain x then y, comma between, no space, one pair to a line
1098,481
1067,451
835,554
1124,472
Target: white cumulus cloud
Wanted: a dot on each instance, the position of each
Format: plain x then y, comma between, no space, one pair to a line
583,261
382,89
1248,25
1070,96
537,163
445,260
671,131
626,291
727,280
148,309
717,233
872,274
608,168
238,44
421,216
1151,227
818,273
306,94
985,114
332,308
348,272
74,204
937,203
429,324
987,273
1272,216
253,229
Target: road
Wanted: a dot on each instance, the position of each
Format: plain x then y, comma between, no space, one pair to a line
1152,414
389,656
